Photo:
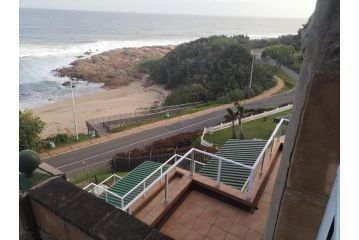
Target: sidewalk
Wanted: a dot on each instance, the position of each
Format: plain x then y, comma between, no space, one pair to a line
72,147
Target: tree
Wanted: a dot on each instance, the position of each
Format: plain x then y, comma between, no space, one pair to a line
240,109
212,67
232,116
280,53
30,129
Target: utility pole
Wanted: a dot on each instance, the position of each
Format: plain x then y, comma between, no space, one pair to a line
250,79
73,107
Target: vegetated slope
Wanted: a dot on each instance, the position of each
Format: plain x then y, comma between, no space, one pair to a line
294,40
214,68
284,54
285,49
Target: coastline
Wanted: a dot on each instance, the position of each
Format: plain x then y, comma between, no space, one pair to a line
134,96
127,88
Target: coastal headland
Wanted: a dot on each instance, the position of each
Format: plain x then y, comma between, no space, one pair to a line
127,88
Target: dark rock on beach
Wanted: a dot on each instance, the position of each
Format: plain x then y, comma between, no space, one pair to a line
113,68
66,84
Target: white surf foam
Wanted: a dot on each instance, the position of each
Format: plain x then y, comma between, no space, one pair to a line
33,50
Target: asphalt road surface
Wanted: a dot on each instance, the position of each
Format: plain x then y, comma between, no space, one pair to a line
104,151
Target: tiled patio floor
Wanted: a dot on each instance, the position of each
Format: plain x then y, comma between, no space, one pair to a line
202,217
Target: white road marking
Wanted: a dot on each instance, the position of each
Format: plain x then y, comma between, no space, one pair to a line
143,140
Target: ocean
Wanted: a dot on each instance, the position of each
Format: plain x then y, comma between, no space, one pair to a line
50,39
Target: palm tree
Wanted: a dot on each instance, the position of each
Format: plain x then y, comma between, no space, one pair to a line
240,116
233,116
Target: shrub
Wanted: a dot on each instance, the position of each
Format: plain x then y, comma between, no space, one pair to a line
210,68
29,160
185,94
61,138
30,129
180,143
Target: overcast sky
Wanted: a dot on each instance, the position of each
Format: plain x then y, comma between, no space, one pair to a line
256,8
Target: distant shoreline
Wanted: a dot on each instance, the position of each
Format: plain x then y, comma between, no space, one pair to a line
135,96
127,90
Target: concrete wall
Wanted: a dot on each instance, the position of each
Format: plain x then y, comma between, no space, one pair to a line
311,151
55,226
56,209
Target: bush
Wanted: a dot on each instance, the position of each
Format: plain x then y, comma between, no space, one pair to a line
61,138
208,69
185,94
29,160
30,129
180,143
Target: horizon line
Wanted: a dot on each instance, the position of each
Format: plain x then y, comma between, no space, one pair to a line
170,14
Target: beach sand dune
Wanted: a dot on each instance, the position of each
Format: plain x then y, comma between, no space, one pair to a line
135,96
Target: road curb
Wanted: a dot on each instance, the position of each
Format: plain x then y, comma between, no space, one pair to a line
106,138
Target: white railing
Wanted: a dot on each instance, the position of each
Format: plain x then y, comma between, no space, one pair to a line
162,172
97,190
261,158
114,178
221,126
203,141
332,213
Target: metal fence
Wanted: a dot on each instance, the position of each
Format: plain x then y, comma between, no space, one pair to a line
124,164
128,163
221,126
89,170
140,113
123,119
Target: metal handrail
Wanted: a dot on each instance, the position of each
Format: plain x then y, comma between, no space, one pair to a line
221,158
113,175
268,142
155,171
158,178
102,188
185,156
249,181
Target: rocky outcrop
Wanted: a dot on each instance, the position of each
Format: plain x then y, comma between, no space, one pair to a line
114,68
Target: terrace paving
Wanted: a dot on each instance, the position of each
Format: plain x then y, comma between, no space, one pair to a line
200,216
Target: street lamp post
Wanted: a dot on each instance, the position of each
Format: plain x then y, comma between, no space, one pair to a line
250,79
73,108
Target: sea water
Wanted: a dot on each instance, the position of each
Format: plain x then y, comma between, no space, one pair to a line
50,39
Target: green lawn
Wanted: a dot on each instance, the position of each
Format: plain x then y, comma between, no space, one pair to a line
91,178
70,140
289,82
297,62
260,129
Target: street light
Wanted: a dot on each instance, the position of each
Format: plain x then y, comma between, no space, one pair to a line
250,79
73,108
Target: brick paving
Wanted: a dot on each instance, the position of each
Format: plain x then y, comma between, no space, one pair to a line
200,216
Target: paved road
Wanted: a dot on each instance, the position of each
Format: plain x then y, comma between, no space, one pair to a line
104,151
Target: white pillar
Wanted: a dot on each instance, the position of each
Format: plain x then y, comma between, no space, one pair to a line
219,171
250,184
192,163
166,188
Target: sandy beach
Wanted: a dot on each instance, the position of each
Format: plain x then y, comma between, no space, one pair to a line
59,118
